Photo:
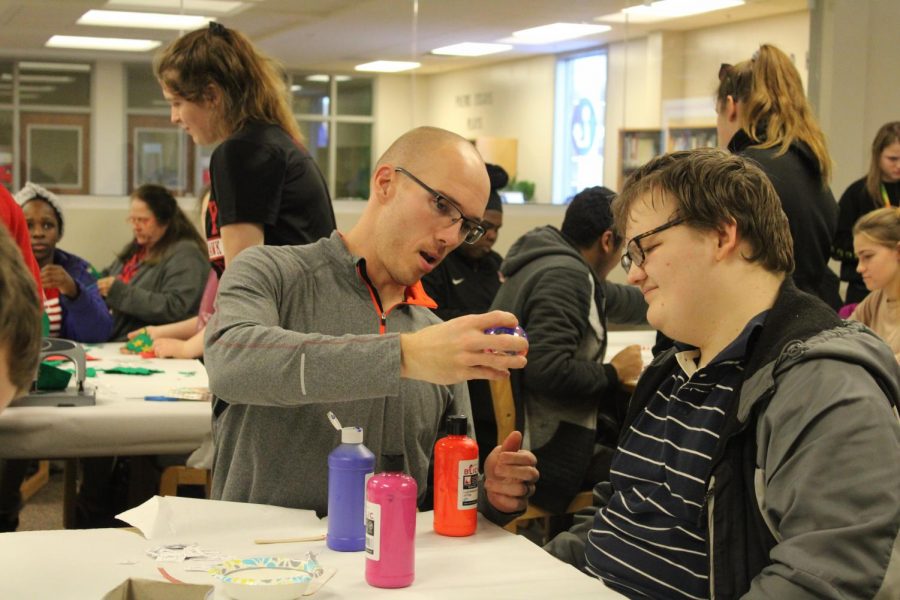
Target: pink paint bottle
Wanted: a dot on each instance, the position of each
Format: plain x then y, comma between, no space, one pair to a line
391,525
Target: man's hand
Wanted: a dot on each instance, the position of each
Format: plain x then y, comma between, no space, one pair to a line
628,363
510,474
459,350
54,276
169,348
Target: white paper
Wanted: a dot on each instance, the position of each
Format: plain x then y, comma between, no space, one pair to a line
193,519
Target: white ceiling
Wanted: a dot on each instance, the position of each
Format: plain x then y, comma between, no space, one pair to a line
335,35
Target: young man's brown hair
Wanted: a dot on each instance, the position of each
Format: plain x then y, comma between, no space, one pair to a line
20,316
711,187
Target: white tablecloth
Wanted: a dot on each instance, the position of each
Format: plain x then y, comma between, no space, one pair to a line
492,564
122,422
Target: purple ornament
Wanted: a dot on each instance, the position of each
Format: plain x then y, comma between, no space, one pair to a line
508,331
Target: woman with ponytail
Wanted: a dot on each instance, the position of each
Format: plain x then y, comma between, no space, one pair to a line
876,241
159,275
878,189
764,115
265,187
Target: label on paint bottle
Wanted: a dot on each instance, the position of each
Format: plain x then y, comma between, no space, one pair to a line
373,531
366,512
467,487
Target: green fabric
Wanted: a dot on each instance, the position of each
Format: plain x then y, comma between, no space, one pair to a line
51,378
140,343
130,371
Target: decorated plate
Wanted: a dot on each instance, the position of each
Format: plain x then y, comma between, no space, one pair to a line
266,577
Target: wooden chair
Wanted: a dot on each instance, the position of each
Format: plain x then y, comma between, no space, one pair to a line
174,476
35,482
505,414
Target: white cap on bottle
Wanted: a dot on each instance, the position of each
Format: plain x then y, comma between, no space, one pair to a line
351,435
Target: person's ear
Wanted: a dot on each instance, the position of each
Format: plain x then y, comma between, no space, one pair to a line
727,239
382,179
607,242
212,95
730,109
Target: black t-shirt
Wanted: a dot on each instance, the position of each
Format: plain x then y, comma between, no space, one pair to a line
461,286
260,175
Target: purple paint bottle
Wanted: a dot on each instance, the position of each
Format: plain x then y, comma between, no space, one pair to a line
349,467
391,526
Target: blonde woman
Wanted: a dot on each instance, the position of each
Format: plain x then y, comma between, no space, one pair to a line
763,114
876,241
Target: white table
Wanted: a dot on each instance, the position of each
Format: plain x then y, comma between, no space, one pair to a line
122,422
618,340
492,564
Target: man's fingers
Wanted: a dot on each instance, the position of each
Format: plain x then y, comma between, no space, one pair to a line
512,443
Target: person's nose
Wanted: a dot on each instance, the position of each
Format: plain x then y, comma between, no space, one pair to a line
174,116
860,268
36,231
635,274
450,234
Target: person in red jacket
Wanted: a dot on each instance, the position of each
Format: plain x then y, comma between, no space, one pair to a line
11,216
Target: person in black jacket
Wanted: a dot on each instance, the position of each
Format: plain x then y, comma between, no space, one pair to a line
764,115
567,396
465,283
879,188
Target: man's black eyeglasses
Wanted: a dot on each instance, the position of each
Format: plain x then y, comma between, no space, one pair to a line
634,253
447,211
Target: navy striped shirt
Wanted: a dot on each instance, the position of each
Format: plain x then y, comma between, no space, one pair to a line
649,541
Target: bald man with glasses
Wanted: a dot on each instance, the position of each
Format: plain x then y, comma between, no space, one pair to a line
344,325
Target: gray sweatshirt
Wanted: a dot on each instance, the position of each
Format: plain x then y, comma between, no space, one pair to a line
296,333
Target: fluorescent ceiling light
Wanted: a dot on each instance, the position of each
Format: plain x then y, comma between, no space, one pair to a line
320,78
471,49
54,66
143,20
663,10
215,7
45,78
387,66
555,32
98,43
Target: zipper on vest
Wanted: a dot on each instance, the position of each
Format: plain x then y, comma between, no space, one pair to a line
710,503
373,294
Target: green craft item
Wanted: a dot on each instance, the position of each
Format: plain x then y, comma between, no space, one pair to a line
52,378
131,371
139,343
88,371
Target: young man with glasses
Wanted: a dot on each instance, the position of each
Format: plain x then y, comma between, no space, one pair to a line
566,396
344,325
761,455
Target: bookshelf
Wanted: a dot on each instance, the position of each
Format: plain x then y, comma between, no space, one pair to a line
636,147
688,138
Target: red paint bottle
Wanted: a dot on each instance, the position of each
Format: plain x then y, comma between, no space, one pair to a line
456,480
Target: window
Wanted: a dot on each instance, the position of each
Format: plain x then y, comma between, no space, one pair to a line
335,116
159,151
579,130
45,122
